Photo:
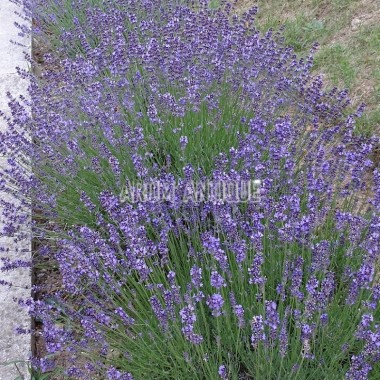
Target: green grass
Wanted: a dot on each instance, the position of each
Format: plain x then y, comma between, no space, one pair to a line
335,61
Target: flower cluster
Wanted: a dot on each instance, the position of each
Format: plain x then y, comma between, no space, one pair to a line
180,90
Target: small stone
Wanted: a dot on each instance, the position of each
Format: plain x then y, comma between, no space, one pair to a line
114,354
356,23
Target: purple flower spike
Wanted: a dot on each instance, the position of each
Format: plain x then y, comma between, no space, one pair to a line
222,371
258,334
217,281
215,302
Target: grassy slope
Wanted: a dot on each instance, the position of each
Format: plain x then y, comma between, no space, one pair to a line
348,32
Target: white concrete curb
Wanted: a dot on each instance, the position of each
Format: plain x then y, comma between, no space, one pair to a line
13,347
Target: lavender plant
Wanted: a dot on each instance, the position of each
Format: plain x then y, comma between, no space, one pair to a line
282,287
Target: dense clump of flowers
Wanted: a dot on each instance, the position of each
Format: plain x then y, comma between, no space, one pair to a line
184,289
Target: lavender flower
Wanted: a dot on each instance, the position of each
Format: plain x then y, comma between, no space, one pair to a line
272,319
217,281
222,371
284,336
297,279
359,369
255,271
239,312
183,141
212,244
215,302
196,276
127,320
159,311
258,334
114,374
188,319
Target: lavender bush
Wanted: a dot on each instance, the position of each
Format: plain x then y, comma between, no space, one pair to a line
282,287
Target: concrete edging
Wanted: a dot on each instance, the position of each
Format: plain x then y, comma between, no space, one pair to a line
13,347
